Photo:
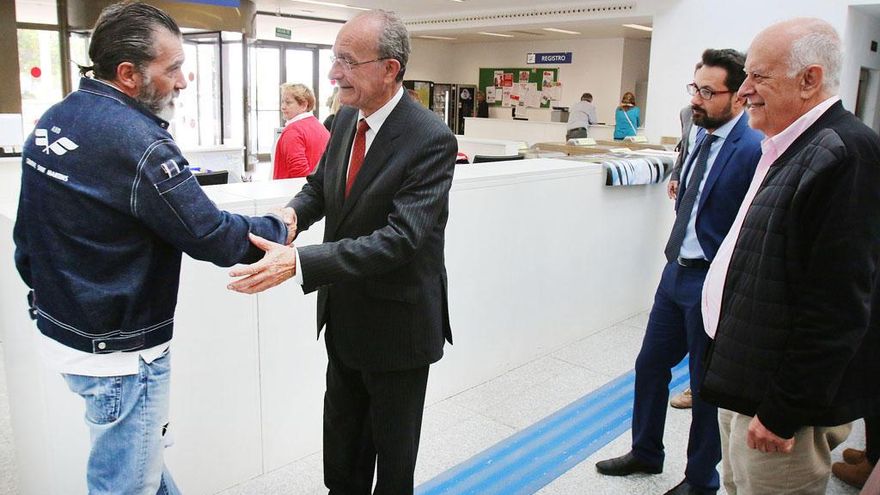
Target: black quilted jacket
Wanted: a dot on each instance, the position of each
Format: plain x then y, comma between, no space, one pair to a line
798,340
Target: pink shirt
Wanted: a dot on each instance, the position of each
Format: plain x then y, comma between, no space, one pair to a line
772,148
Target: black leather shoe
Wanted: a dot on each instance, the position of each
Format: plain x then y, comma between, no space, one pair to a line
685,488
626,465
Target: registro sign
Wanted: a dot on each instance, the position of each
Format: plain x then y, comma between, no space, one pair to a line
549,58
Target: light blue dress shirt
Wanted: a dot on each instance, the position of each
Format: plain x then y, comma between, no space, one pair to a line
690,246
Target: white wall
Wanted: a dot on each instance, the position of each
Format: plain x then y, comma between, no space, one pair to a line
431,61
683,29
597,65
636,54
302,30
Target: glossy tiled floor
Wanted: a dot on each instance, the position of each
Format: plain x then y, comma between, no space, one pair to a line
463,425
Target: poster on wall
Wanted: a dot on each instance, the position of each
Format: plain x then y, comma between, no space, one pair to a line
490,94
551,92
499,78
505,97
533,96
514,81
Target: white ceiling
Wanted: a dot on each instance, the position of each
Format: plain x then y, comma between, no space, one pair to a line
463,20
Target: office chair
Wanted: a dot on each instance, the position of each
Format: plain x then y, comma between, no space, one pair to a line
212,178
491,158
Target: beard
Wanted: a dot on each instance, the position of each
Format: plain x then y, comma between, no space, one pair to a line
161,105
706,121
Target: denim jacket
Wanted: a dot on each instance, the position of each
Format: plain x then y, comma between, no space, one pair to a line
107,206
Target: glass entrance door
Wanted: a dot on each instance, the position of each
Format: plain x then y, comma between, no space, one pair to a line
272,64
198,119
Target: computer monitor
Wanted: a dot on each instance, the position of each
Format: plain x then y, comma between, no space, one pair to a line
496,158
212,178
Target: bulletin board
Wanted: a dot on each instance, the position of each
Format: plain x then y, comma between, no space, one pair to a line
525,86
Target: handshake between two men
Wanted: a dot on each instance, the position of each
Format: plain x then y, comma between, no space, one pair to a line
278,264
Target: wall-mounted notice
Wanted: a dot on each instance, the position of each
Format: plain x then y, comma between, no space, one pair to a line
549,58
527,83
283,33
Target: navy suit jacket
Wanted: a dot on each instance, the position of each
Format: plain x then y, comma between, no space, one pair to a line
726,185
380,272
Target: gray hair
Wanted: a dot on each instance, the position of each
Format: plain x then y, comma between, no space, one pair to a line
818,45
393,40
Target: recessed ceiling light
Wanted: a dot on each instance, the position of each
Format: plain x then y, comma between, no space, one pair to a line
639,26
563,31
430,37
496,34
458,1
330,4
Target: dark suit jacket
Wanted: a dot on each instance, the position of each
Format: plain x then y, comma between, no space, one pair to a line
726,185
380,272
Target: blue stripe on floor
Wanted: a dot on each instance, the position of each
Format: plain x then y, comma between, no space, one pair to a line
537,455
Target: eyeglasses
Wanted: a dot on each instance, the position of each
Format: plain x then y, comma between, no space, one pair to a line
705,93
347,65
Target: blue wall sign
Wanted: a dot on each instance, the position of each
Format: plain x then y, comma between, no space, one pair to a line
549,58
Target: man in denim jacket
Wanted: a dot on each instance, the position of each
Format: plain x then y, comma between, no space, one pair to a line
107,207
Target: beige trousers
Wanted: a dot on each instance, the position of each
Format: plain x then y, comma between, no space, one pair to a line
804,471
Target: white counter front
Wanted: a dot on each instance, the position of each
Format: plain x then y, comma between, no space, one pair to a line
539,254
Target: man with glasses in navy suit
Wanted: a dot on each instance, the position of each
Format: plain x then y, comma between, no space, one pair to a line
713,181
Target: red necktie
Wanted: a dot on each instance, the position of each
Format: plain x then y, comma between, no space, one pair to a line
357,154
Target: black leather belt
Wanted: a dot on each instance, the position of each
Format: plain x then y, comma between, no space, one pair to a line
693,263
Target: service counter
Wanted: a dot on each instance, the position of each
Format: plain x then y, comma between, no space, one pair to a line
219,157
530,131
471,147
539,254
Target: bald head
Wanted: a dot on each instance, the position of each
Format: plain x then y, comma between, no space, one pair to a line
791,67
806,41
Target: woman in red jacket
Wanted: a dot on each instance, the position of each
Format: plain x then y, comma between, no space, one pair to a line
304,138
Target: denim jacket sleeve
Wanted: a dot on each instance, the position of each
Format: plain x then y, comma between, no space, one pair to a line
166,196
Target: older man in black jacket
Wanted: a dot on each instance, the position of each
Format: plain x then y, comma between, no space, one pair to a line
789,299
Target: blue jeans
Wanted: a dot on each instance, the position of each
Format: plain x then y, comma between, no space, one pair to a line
127,417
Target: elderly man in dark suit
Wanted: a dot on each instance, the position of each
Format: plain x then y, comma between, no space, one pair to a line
715,178
383,187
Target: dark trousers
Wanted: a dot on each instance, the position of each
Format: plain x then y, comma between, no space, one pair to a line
675,328
577,132
370,415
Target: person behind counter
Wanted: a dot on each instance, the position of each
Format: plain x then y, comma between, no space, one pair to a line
104,280
581,116
482,105
304,138
626,118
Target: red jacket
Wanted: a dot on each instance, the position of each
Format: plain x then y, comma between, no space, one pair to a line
300,148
